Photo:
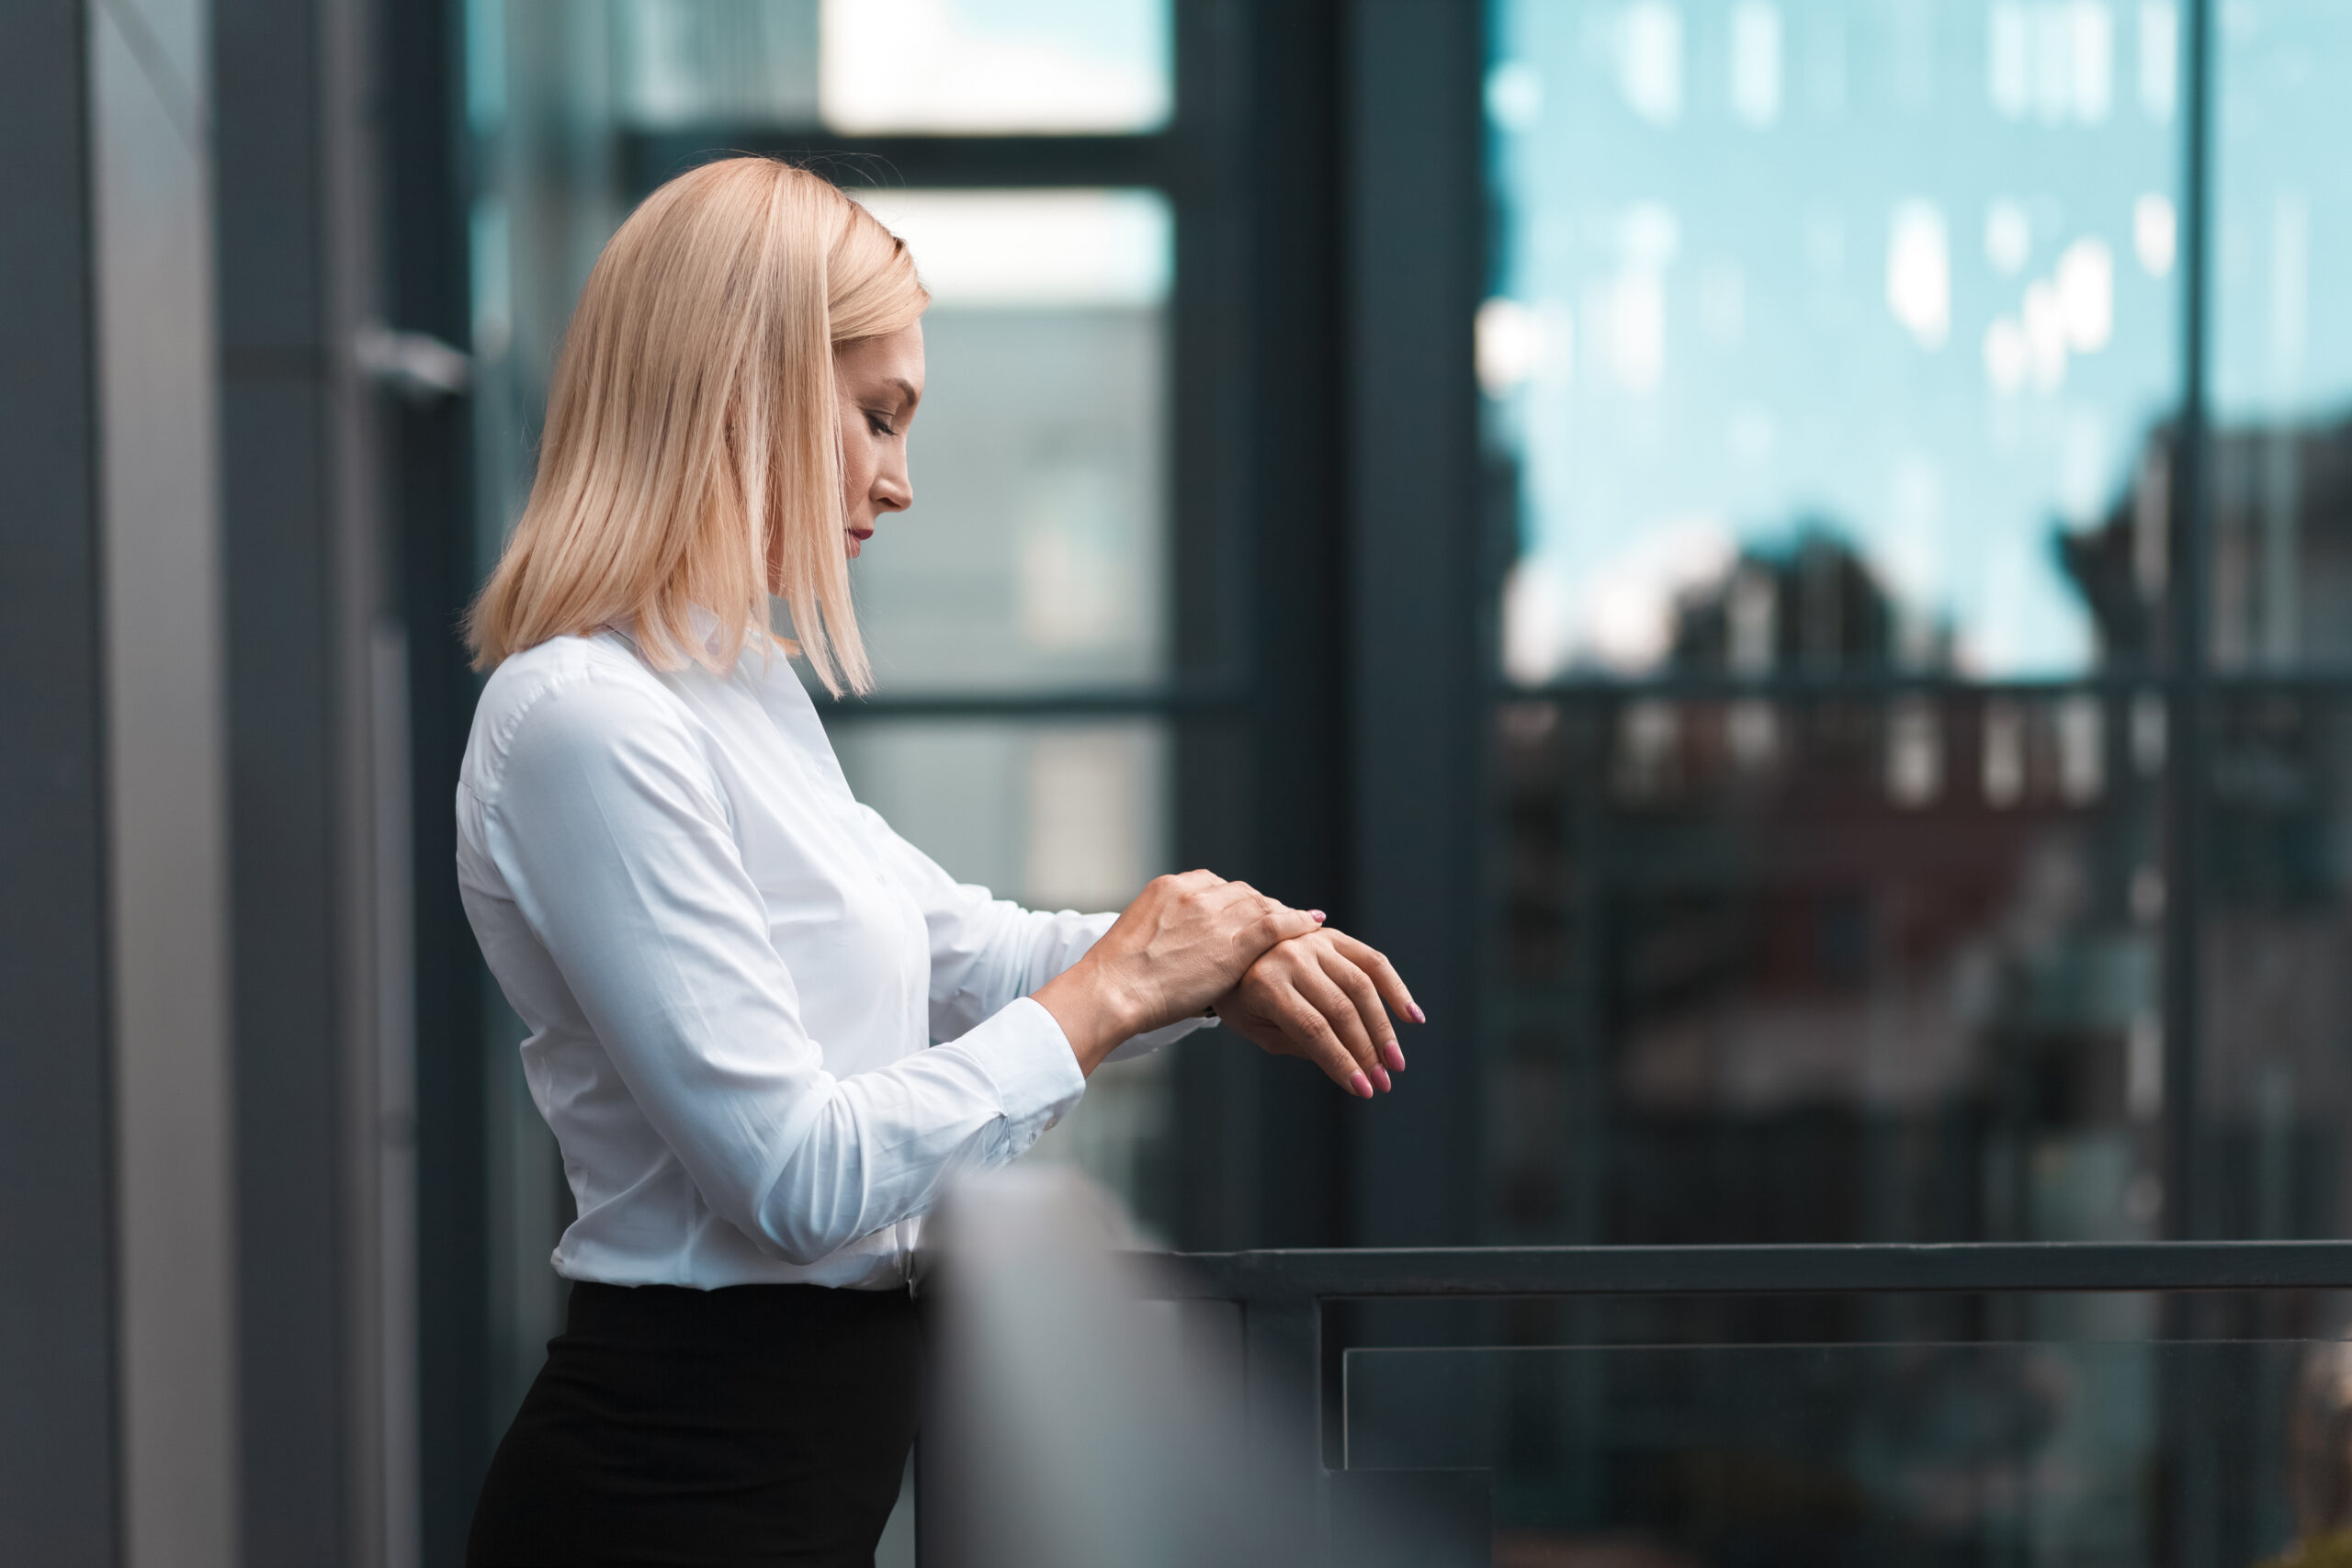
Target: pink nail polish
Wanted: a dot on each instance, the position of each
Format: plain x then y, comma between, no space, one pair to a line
1395,1055
1318,915
1380,1075
1360,1086
1418,1016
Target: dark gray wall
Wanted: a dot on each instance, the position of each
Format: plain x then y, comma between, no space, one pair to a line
429,487
296,701
58,1404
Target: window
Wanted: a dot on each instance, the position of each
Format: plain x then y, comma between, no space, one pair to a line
1856,751
929,67
1918,752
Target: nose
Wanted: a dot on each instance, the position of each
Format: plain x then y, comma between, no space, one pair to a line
893,491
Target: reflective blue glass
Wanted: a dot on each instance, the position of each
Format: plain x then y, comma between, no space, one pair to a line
2281,341
1901,277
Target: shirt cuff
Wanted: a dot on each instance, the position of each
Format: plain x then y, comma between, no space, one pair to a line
1035,1072
1168,1034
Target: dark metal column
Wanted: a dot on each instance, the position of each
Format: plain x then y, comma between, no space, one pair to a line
306,596
1259,571
2188,655
429,486
1414,226
2190,1465
59,1486
1282,1395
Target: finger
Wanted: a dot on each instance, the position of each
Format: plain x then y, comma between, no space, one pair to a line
1314,1040
1254,1026
1375,963
1277,923
1345,973
1240,894
1344,1020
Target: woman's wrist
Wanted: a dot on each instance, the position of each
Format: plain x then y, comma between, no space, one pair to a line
1095,1009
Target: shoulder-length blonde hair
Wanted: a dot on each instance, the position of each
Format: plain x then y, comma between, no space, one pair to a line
692,435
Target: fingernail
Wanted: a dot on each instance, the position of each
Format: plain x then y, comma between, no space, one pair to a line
1318,915
1418,1016
1380,1077
1360,1086
1394,1055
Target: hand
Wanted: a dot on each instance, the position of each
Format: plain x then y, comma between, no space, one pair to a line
1186,940
1318,996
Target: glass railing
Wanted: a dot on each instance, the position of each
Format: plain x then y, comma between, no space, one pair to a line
2012,1452
2178,1404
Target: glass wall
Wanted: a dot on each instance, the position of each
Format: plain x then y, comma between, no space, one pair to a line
2279,911
2030,1452
1922,803
1899,278
1831,351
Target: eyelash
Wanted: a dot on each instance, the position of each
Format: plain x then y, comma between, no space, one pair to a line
879,425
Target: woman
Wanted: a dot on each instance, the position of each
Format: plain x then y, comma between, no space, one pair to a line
732,973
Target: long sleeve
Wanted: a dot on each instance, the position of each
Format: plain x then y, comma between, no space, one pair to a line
616,839
988,951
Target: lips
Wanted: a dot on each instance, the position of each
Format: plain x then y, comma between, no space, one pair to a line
857,537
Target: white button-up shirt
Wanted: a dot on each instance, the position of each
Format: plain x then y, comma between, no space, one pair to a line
733,975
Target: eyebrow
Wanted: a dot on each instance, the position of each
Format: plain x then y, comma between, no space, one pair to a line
914,397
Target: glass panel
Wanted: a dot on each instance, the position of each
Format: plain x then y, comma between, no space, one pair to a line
1851,970
867,66
1898,278
2281,373
1053,815
2075,1454
1036,552
700,63
2274,1084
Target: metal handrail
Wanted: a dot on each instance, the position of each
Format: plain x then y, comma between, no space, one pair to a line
1869,1268
1281,1294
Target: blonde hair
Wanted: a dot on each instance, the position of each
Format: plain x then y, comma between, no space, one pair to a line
693,434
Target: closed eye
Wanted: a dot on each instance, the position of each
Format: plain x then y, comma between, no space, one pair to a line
879,423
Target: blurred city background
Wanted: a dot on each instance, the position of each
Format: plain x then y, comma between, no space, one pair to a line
1791,560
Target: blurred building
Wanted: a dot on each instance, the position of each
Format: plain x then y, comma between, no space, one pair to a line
1790,563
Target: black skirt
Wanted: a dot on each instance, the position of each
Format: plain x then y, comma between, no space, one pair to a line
763,1424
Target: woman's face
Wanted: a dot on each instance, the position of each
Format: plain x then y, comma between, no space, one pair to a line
880,381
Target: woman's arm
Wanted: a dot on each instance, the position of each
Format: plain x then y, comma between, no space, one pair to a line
1186,940
987,952
616,844
1316,996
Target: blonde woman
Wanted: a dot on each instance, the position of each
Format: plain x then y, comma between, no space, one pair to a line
733,974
